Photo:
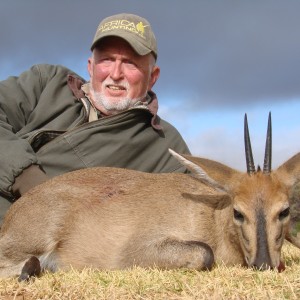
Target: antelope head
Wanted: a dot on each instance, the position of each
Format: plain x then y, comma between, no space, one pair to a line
260,210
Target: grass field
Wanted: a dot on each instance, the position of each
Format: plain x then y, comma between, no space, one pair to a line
221,283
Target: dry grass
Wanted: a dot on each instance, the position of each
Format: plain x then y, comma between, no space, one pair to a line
221,283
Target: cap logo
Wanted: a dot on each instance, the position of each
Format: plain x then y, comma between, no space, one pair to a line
138,28
141,28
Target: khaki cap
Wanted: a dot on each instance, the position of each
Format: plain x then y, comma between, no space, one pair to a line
132,28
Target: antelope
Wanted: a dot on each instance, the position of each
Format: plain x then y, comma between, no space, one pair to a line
110,218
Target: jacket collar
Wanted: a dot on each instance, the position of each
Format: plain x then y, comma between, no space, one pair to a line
80,90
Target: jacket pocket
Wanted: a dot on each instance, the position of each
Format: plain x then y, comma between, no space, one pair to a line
41,138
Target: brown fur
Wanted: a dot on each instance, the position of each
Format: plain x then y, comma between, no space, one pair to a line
111,218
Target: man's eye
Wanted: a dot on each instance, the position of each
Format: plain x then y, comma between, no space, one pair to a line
130,64
106,60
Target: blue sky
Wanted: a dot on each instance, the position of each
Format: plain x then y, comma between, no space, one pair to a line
219,59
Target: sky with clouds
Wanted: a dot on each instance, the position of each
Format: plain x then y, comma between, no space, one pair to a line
219,59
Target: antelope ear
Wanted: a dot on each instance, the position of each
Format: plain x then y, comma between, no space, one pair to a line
216,202
289,174
212,173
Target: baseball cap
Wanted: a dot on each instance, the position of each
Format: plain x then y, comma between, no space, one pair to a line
132,28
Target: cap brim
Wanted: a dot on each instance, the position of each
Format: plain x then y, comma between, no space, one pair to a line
137,46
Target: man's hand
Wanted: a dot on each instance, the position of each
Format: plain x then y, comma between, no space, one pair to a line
28,179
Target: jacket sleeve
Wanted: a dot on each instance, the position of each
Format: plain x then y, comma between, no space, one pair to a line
18,98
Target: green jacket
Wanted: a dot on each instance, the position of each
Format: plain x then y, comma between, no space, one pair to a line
44,122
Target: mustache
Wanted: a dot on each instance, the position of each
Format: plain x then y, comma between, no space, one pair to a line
123,83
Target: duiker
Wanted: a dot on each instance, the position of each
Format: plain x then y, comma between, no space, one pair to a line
111,218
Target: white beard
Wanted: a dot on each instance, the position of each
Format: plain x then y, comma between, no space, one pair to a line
110,104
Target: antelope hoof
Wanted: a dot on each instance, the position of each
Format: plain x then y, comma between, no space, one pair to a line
31,268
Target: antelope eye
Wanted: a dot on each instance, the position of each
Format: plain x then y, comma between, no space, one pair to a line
284,213
238,216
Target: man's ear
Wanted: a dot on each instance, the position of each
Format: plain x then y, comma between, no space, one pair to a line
154,76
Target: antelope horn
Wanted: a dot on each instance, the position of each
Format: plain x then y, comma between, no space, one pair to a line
248,149
268,149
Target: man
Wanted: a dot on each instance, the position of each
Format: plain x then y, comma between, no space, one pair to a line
52,121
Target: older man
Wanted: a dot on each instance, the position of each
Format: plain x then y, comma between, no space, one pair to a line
52,121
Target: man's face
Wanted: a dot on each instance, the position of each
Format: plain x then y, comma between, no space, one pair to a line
119,76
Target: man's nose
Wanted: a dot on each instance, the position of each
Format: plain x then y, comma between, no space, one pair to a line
116,70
